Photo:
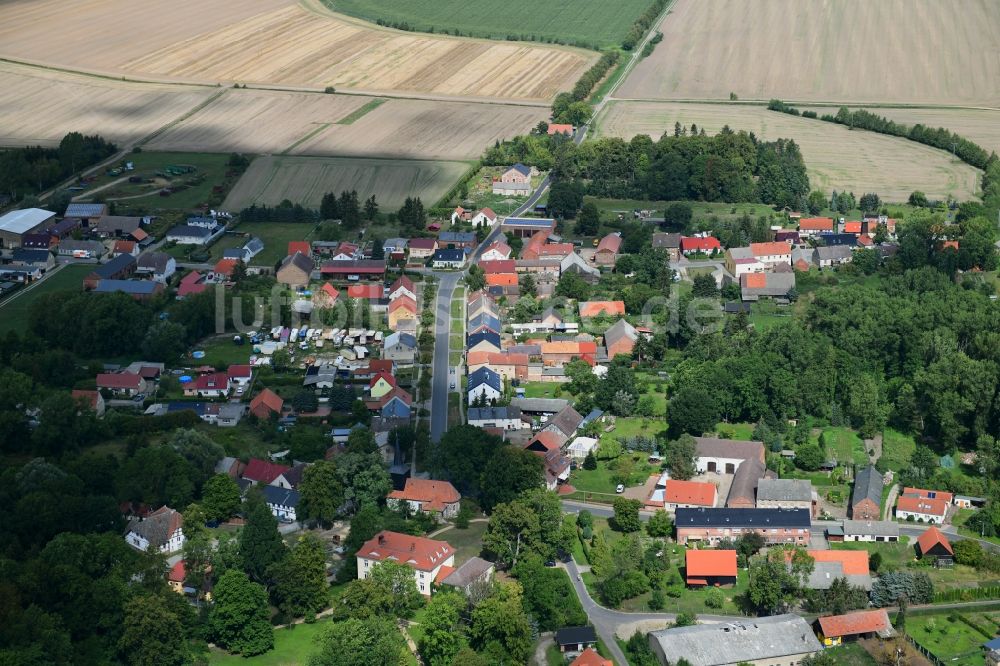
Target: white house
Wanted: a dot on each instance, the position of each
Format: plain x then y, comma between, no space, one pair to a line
159,266
724,456
189,235
484,218
282,502
426,557
868,530
921,509
504,418
402,287
427,495
159,532
239,375
497,251
834,255
448,258
214,385
486,384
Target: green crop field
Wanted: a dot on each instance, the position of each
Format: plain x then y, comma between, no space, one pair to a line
587,23
14,311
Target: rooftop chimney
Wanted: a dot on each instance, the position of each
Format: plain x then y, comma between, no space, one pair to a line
381,539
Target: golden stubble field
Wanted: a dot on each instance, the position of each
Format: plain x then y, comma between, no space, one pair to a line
39,107
979,125
889,51
304,180
837,158
278,42
256,121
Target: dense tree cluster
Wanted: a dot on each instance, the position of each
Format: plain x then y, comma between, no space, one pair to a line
34,169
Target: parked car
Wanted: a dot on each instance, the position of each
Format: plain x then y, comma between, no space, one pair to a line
620,489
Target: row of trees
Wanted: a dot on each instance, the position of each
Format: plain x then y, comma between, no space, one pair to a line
34,169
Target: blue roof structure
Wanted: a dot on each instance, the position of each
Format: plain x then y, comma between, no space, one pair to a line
485,376
137,287
489,336
755,518
449,255
522,169
85,210
993,644
540,222
280,496
186,231
24,256
115,266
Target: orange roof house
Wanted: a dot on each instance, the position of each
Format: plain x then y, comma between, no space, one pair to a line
595,308
265,403
816,224
933,543
705,244
834,628
372,292
922,509
124,247
501,279
492,266
299,246
928,494
427,495
852,227
589,657
426,557
770,249
225,267
560,128
710,567
854,562
689,493
326,296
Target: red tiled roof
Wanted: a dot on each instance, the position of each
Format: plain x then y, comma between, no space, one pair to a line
265,403
852,227
610,243
395,393
852,624
705,563
119,380
865,241
501,279
770,249
931,538
211,382
816,224
931,507
699,244
854,562
380,365
177,573
498,265
488,212
589,657
404,282
369,291
436,495
225,266
755,280
550,440
263,471
139,235
125,246
422,243
415,552
89,396
238,371
330,291
928,494
690,492
382,375
560,128
500,247
443,573
594,308
191,284
403,302
299,246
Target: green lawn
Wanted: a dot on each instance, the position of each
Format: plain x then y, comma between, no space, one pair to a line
191,190
467,543
221,352
948,638
849,654
545,390
897,449
15,310
741,431
291,646
901,555
590,23
692,600
276,236
602,479
844,445
457,327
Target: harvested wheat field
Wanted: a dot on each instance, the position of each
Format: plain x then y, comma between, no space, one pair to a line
837,158
892,51
271,179
278,42
979,125
39,107
270,122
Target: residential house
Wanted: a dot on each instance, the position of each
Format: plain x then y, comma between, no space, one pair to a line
518,173
866,498
525,227
811,226
934,545
92,399
239,375
870,530
119,268
485,385
688,494
403,286
590,657
851,227
565,423
836,255
500,418
831,240
471,577
400,347
507,364
921,509
829,565
116,226
125,247
359,269
457,240
787,494
590,309
396,404
140,290
573,263
295,270
394,247
422,248
538,248
669,242
381,384
42,259
484,218
777,526
498,266
121,384
223,271
426,557
740,261
158,532
214,385
460,215
81,249
426,496
714,568
448,258
835,629
620,338
326,296
560,128
483,322
299,246
320,376
265,404
157,266
191,284
575,639
725,456
699,244
496,251
803,259
263,472
187,235
282,502
754,286
402,309
607,250
767,641
791,237
229,414
484,341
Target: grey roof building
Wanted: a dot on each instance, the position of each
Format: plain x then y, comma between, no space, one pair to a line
662,241
824,573
471,571
754,286
566,421
866,498
539,405
733,518
770,640
871,529
784,490
837,254
494,413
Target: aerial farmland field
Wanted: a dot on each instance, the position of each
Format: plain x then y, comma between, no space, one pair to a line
890,51
278,42
271,179
297,123
837,158
590,22
39,107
